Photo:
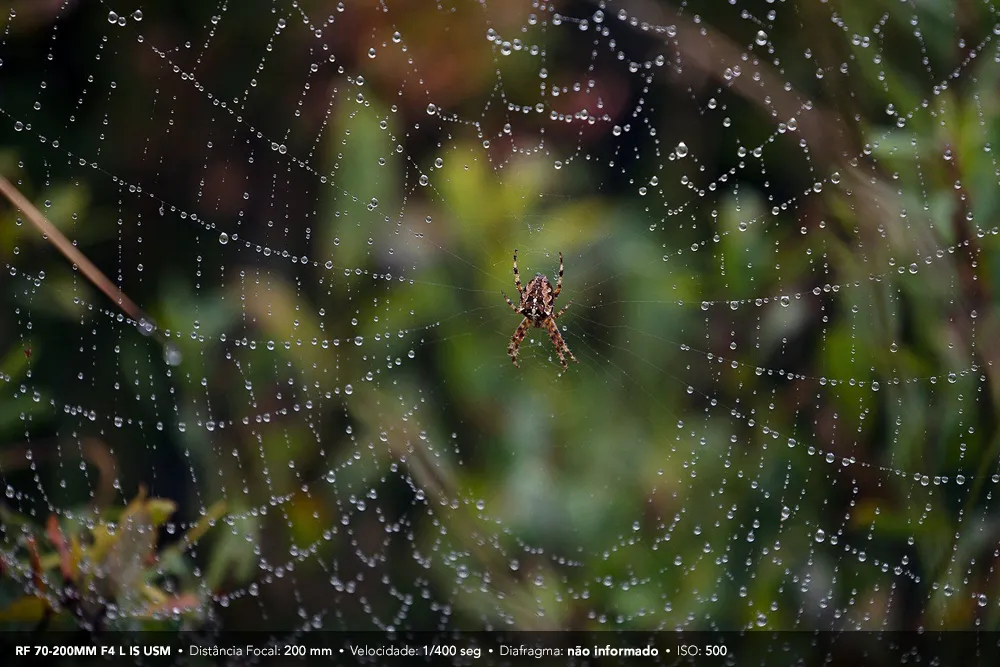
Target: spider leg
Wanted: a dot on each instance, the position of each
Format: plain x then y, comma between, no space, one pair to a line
515,340
511,303
557,340
558,288
563,310
517,276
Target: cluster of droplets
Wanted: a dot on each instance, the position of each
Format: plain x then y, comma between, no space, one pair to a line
121,20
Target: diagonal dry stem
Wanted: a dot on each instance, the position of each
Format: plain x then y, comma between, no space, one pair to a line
70,252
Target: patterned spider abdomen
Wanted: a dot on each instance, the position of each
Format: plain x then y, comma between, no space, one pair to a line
537,301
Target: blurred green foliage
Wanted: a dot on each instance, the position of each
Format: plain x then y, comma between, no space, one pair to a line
103,575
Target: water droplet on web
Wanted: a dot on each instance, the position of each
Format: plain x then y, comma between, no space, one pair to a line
681,150
223,238
172,354
761,38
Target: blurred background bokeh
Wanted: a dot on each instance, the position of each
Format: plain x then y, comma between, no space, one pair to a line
778,224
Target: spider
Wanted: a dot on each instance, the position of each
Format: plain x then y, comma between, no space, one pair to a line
537,305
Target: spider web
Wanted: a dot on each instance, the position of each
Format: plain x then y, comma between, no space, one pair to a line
774,224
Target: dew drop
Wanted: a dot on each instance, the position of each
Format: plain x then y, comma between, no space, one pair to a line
172,355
